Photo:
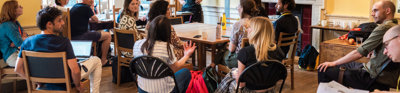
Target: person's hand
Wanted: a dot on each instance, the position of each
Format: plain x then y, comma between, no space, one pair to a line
378,91
182,2
12,45
189,48
142,18
322,67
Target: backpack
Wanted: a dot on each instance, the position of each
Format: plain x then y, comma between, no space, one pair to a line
126,75
366,30
308,57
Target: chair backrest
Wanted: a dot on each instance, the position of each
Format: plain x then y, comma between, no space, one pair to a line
124,40
151,68
45,67
263,75
176,20
67,26
115,12
288,41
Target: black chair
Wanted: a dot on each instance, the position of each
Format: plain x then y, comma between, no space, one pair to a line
176,20
151,68
263,75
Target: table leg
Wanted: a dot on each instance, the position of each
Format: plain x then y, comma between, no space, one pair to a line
201,56
213,53
321,36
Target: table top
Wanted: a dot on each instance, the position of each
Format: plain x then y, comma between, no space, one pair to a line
339,42
188,31
330,28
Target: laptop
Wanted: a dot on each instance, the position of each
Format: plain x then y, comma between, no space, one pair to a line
82,49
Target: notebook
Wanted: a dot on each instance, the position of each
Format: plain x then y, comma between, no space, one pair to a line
81,49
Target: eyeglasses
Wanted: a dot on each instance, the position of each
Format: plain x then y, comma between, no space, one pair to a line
386,43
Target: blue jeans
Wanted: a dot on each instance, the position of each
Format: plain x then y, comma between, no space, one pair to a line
182,78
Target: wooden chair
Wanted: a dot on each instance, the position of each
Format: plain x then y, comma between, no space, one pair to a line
67,26
290,60
41,67
151,68
123,40
115,12
8,73
263,75
176,20
231,19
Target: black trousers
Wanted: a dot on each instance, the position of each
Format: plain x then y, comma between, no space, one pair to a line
354,77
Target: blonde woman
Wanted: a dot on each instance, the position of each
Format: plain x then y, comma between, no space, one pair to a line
261,37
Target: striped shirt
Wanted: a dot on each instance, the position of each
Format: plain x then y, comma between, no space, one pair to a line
162,85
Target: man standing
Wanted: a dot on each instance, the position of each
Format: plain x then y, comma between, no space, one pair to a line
287,23
81,14
358,75
50,21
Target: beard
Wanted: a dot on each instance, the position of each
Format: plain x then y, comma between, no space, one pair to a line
55,30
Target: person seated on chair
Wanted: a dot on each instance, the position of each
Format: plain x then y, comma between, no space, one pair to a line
193,6
287,23
159,44
262,48
81,14
247,9
391,41
49,20
161,7
361,75
60,5
129,16
11,32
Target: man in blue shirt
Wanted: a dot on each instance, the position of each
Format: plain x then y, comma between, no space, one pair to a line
50,21
194,7
81,15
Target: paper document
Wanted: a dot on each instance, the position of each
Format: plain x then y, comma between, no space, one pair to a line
335,87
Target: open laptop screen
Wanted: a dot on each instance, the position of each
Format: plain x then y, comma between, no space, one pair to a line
81,48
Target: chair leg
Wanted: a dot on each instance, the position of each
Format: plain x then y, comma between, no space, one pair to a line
119,74
292,76
15,86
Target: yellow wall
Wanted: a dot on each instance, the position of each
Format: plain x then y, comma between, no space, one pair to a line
348,7
30,9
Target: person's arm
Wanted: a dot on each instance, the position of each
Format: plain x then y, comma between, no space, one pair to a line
373,41
240,69
182,2
234,39
13,35
94,19
19,68
189,49
75,72
350,57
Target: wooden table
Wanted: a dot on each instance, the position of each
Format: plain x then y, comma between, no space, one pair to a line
327,29
334,49
188,31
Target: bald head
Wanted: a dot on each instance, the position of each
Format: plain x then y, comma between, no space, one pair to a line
391,41
392,32
383,10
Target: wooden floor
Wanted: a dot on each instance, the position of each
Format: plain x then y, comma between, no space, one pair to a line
305,82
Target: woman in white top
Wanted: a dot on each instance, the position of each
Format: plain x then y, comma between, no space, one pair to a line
158,44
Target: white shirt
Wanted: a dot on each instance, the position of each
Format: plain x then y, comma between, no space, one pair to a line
162,85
